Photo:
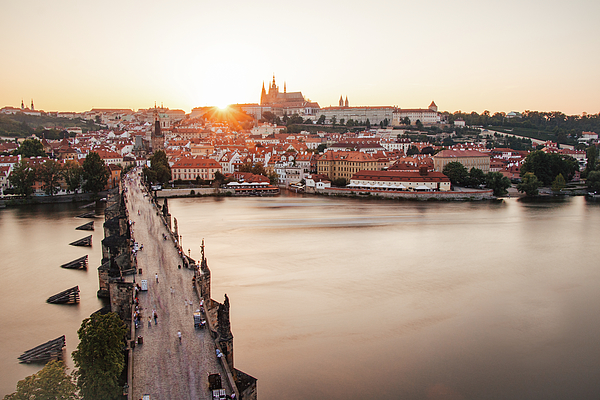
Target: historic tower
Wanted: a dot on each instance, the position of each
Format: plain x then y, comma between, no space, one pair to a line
158,139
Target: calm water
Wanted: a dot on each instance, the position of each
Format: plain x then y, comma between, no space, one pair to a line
34,242
348,299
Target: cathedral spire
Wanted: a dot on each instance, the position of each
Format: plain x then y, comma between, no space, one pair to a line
346,104
341,102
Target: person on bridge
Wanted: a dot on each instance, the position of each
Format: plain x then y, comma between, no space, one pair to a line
179,336
156,277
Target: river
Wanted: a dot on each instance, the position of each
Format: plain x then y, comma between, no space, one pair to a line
353,299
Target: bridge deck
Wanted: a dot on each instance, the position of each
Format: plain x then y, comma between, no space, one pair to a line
163,367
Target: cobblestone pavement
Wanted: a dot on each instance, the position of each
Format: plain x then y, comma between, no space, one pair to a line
163,366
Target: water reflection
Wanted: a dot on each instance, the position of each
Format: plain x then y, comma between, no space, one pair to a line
336,298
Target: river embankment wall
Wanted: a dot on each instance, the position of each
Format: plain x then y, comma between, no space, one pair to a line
193,191
449,196
63,198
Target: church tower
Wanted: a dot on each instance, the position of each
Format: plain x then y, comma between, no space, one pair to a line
158,140
341,102
22,105
32,108
433,107
263,95
346,104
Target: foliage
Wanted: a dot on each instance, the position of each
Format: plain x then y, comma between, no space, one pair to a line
412,150
31,148
256,169
339,182
476,177
274,178
592,156
51,383
547,166
498,183
50,173
73,174
321,119
558,183
457,173
593,181
321,148
529,184
159,164
99,356
22,178
95,173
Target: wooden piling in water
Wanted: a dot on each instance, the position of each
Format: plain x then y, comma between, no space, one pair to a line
69,296
89,226
80,263
86,241
51,350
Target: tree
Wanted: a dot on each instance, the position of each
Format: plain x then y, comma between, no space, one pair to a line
476,177
22,178
592,155
529,184
547,166
95,173
593,181
99,356
457,173
50,173
273,178
559,183
333,120
412,150
73,174
50,383
160,165
498,183
321,119
406,121
31,148
419,124
321,148
368,124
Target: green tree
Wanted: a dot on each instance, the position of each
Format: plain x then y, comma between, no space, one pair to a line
321,148
99,356
547,166
73,174
160,165
412,150
558,183
529,184
476,177
593,181
95,173
368,124
333,120
406,121
419,124
22,178
457,173
50,173
31,148
498,183
274,178
51,383
592,156
321,119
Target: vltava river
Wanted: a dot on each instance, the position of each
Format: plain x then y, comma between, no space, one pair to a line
352,299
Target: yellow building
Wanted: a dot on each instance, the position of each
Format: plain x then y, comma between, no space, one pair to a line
344,164
468,158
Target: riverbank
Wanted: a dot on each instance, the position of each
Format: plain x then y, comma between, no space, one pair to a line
66,198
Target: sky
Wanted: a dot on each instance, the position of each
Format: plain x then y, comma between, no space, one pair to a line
73,55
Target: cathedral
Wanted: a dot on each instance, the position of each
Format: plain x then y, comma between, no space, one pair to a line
284,103
276,97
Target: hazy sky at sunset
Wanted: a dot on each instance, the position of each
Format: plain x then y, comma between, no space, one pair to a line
466,55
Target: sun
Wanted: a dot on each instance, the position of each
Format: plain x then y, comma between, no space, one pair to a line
222,106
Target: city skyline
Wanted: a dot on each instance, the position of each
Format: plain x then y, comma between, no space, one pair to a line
467,56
